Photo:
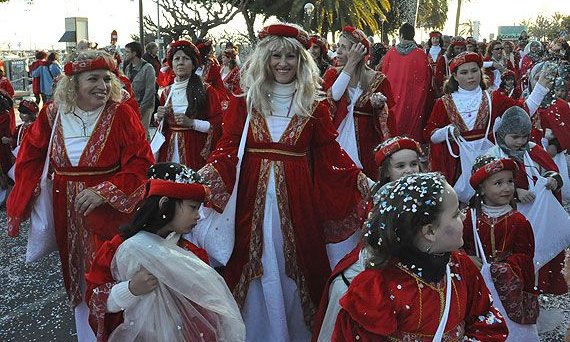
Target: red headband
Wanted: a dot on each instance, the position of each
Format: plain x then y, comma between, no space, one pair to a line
358,35
190,49
184,191
30,106
204,44
490,169
398,143
99,62
284,30
435,34
465,57
321,42
458,43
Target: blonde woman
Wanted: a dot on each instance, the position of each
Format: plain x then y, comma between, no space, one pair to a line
99,156
292,175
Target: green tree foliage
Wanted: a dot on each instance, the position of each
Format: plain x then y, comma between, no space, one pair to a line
548,28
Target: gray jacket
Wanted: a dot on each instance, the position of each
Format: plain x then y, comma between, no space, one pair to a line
143,82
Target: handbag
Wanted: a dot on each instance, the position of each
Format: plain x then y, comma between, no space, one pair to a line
41,237
158,139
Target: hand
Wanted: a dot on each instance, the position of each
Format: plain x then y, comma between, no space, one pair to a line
547,76
160,112
454,132
6,140
183,120
142,282
355,55
87,201
551,184
377,100
525,196
552,150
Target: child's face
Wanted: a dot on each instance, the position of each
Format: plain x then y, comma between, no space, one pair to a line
25,117
449,229
510,82
561,93
186,216
498,189
516,142
402,163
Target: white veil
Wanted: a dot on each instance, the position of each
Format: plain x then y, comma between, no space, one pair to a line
191,302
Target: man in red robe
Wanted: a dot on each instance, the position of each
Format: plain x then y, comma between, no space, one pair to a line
409,71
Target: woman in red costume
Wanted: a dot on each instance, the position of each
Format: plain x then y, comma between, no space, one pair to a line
496,64
279,146
361,98
416,285
230,72
99,155
209,67
190,109
319,50
468,110
436,58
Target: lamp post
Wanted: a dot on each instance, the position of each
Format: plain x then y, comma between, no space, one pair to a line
309,8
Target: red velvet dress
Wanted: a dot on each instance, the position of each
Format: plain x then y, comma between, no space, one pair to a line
373,126
211,75
6,156
394,304
7,87
439,72
444,113
557,118
231,82
194,147
113,164
508,242
411,78
100,281
550,279
311,173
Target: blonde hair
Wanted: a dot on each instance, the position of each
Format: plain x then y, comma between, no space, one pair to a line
360,70
66,87
257,78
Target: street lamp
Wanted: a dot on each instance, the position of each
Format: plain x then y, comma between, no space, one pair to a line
309,8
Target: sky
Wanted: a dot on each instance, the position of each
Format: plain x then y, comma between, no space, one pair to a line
41,24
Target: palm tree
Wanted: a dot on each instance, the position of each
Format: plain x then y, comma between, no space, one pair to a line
458,14
332,15
466,29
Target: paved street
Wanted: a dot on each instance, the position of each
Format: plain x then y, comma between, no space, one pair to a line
32,300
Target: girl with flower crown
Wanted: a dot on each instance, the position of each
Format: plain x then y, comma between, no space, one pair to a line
500,241
416,285
396,158
148,283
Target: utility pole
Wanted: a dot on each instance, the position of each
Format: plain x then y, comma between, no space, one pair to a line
141,19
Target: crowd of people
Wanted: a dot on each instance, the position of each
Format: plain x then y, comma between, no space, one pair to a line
365,193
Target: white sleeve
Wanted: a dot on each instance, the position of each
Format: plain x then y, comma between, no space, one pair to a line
439,135
120,297
339,86
535,98
487,64
201,125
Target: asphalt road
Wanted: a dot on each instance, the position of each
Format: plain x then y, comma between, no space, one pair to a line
33,305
